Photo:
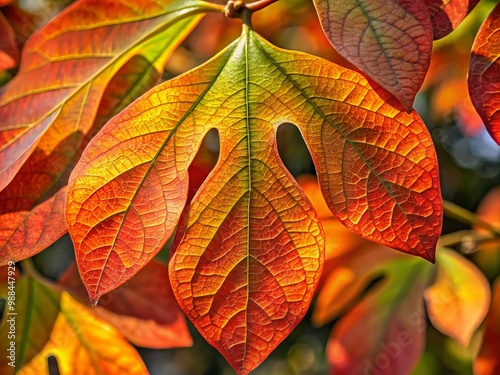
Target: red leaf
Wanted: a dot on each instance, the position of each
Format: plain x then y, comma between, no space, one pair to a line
488,359
389,40
484,73
446,15
386,189
144,309
67,65
36,195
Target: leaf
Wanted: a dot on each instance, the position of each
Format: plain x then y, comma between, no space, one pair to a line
389,40
338,239
144,309
62,107
384,332
484,85
83,344
446,15
32,205
9,54
34,315
489,209
488,361
251,234
458,300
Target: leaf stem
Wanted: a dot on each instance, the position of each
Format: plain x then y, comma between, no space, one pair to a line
467,239
258,5
238,9
212,7
465,216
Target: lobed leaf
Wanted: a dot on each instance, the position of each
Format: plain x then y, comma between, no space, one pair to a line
389,40
143,310
458,300
250,235
446,15
35,197
484,73
488,361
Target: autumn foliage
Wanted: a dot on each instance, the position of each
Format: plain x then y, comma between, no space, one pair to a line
94,142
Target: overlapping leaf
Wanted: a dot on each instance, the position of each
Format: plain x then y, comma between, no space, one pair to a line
115,72
389,40
144,309
458,300
378,294
34,314
384,333
484,73
251,235
488,361
51,323
446,15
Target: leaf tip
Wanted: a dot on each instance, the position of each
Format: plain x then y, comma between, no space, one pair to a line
430,256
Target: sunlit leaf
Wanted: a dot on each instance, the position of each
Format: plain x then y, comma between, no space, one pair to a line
385,332
488,360
487,256
66,67
251,236
34,315
32,205
484,73
83,344
49,322
338,239
389,40
458,300
446,15
144,309
489,208
9,53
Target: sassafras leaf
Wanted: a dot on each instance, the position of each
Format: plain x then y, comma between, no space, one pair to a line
250,252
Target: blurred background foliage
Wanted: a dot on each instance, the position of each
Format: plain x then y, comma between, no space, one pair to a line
469,165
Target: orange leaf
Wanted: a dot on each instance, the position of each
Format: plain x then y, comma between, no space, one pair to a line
446,15
49,322
144,309
83,344
384,332
488,360
67,65
338,239
489,208
35,197
9,54
484,73
458,300
33,316
250,235
389,40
